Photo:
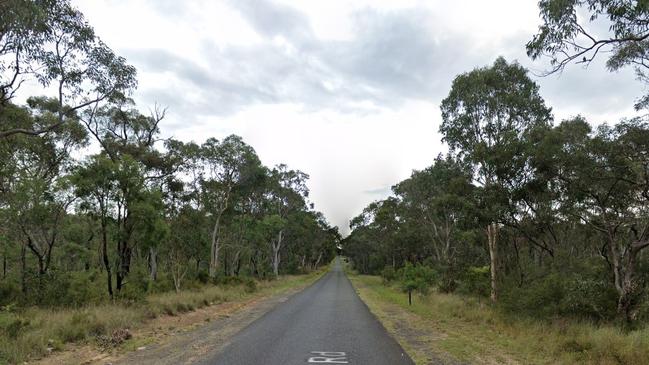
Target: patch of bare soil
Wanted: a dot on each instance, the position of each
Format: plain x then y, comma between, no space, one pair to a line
181,339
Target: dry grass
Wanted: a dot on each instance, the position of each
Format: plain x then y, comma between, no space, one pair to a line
35,332
472,330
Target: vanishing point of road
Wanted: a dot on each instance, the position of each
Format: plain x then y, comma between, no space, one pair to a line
327,323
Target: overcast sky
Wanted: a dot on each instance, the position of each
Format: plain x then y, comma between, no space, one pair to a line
347,91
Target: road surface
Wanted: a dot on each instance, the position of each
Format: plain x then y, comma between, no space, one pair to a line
327,323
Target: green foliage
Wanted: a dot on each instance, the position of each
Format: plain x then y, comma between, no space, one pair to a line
9,292
557,295
590,298
389,274
566,37
475,281
417,278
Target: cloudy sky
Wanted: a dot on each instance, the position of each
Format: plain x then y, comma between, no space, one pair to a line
347,91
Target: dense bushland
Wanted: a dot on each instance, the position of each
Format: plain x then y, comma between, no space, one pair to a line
142,215
548,219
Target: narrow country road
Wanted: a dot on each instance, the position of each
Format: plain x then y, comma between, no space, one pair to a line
326,323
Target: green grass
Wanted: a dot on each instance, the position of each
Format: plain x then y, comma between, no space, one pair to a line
28,333
472,330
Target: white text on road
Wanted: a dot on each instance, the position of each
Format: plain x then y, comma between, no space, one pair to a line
328,357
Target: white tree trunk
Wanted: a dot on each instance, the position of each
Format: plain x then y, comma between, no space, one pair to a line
492,239
276,257
153,263
215,247
317,262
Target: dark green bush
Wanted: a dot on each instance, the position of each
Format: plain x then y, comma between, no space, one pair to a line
9,293
540,298
475,281
389,274
203,276
247,281
417,278
251,285
15,326
558,294
590,298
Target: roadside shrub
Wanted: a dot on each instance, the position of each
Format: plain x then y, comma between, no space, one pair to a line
475,281
251,285
248,282
540,298
447,279
64,289
15,326
590,298
558,294
136,286
9,293
389,274
84,288
417,278
203,276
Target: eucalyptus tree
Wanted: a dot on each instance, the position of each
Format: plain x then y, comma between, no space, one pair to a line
96,184
53,43
35,189
187,240
286,198
486,117
380,239
571,32
226,165
439,199
313,240
139,171
604,180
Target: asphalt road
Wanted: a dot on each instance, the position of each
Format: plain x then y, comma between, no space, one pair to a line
327,323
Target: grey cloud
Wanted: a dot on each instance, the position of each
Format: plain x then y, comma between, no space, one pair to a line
270,19
392,53
392,57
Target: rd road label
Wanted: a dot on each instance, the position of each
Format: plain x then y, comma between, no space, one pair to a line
328,357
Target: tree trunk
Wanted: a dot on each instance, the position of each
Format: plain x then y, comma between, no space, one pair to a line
214,248
276,248
153,263
178,273
624,270
232,270
492,240
317,262
104,257
23,266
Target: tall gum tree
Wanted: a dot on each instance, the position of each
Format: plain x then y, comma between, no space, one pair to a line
52,42
286,197
603,179
485,118
226,165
